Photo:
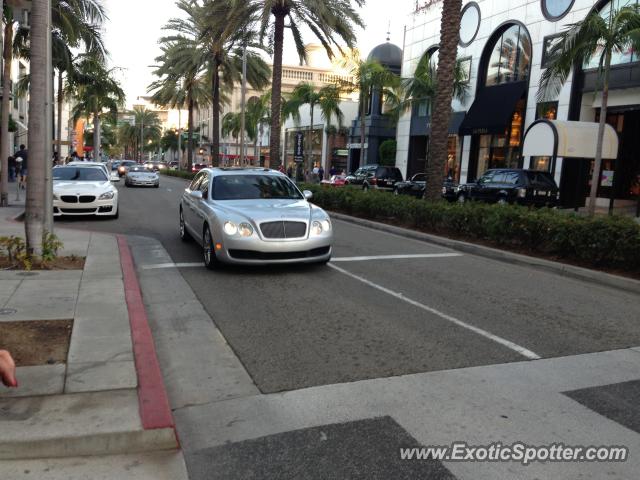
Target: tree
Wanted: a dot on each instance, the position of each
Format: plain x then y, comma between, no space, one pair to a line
147,128
231,125
258,116
441,114
95,89
600,37
330,21
213,33
34,218
388,152
182,83
369,76
75,24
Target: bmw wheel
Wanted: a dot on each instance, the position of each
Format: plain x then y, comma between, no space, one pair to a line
208,250
462,198
184,235
502,201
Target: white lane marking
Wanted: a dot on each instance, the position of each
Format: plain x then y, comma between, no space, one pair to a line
395,257
502,341
335,259
171,265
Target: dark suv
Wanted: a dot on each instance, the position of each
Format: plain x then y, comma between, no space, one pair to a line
375,176
525,187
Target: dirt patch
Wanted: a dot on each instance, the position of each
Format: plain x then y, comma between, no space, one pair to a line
36,342
60,263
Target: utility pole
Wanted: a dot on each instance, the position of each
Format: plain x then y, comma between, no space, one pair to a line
243,103
141,137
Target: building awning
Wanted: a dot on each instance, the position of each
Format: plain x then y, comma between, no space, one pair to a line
557,138
492,110
454,124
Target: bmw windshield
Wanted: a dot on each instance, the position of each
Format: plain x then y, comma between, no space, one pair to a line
252,187
79,174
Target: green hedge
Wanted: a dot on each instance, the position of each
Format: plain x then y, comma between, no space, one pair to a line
600,242
179,174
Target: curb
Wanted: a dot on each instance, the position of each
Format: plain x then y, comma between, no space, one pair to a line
155,412
566,270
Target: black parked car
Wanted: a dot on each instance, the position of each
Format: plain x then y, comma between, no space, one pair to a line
375,176
525,187
414,187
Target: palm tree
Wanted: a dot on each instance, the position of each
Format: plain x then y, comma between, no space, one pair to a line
147,127
213,32
95,89
369,76
330,21
599,37
75,24
258,116
231,125
34,219
441,114
182,84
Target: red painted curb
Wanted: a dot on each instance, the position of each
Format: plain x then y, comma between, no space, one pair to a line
152,395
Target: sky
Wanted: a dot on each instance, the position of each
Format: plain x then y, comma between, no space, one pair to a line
134,27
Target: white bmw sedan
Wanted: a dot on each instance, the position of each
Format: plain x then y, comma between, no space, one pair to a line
253,216
83,190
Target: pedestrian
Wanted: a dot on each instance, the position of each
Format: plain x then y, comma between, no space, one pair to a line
321,173
290,172
22,181
7,370
24,169
11,163
333,171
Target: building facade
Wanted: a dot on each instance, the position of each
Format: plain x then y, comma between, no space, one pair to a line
504,50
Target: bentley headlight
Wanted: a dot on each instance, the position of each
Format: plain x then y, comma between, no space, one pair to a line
326,225
316,228
106,196
230,228
245,230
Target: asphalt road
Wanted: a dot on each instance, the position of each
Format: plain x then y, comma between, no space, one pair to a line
300,326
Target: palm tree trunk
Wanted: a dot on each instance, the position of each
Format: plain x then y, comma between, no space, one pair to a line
59,122
215,111
35,206
4,121
276,88
96,136
310,140
190,136
363,116
597,164
439,137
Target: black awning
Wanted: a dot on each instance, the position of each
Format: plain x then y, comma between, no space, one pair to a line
492,109
421,129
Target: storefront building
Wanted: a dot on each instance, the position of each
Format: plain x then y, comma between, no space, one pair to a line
504,46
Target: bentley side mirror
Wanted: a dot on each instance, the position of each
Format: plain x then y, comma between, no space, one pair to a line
308,195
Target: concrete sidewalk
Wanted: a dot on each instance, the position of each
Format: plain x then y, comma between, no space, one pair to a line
90,405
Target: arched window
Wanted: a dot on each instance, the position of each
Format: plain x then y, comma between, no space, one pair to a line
510,57
554,10
627,53
469,23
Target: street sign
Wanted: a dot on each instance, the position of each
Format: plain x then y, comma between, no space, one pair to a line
298,148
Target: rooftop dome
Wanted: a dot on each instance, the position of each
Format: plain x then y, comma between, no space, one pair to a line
387,54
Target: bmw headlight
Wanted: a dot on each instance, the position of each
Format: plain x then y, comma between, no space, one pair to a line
230,228
245,230
106,196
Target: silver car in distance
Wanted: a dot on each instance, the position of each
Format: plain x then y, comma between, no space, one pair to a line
253,216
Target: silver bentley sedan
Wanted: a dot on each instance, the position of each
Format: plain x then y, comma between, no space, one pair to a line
253,216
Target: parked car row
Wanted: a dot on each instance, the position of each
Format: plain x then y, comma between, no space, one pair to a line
502,185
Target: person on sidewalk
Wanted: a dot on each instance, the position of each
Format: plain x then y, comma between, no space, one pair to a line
7,370
24,155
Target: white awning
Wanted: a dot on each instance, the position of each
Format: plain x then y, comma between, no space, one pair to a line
557,138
